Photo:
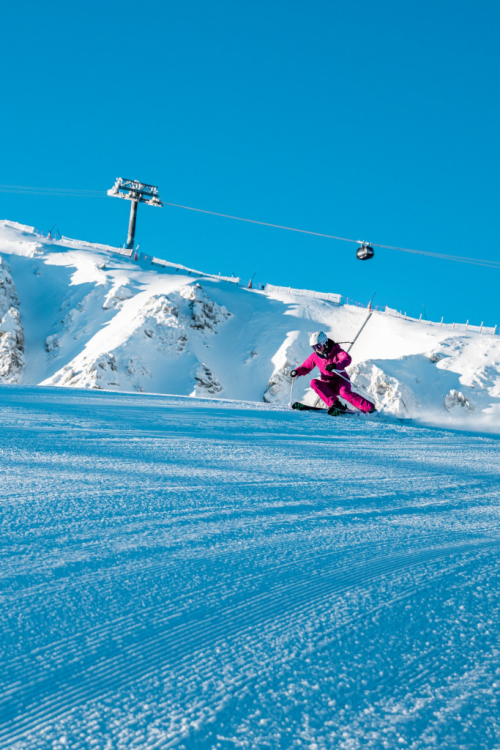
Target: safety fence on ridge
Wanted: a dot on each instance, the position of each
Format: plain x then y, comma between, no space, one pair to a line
17,225
329,296
109,248
179,266
65,241
337,299
458,326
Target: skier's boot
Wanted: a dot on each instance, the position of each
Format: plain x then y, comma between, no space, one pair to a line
372,410
336,409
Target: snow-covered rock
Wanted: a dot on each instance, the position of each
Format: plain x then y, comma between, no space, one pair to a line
206,382
290,354
11,347
387,392
138,344
101,373
456,399
205,314
11,329
117,295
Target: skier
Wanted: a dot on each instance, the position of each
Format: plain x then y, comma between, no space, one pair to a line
331,359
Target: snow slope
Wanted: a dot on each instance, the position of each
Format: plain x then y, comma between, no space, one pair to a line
208,574
89,318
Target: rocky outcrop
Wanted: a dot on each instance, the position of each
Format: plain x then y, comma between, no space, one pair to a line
158,321
206,381
116,296
289,355
205,314
100,373
11,329
387,392
143,340
279,385
455,401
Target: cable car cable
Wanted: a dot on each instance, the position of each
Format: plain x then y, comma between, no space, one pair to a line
442,256
80,193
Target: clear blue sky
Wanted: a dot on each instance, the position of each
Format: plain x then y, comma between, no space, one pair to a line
369,120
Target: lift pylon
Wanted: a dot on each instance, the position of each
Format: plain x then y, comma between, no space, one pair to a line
137,192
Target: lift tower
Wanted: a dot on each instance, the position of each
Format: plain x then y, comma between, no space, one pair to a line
137,192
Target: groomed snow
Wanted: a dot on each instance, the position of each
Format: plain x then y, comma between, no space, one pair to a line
189,573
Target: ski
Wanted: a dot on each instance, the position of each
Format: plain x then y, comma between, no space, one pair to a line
304,407
338,412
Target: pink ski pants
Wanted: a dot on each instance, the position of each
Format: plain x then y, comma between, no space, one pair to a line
330,390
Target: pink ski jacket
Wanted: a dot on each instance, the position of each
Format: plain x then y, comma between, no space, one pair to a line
335,356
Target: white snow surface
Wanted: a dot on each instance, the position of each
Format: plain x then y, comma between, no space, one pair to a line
94,319
206,574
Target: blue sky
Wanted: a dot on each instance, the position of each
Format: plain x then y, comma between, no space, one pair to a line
374,121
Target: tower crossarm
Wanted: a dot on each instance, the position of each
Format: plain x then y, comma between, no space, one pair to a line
133,190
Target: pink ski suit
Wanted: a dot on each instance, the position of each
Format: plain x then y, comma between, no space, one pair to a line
331,386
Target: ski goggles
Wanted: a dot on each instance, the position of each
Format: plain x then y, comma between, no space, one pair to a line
319,347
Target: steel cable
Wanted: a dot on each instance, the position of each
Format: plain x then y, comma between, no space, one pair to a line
79,193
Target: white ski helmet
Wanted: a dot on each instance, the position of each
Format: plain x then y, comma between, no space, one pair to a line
318,338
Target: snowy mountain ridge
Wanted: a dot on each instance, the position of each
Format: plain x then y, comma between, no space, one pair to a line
89,318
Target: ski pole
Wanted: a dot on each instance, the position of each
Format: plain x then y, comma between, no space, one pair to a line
357,335
366,321
358,387
291,391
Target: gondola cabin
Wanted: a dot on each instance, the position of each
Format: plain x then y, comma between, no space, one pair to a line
365,252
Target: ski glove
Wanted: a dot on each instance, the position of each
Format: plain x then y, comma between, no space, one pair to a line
330,368
293,374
